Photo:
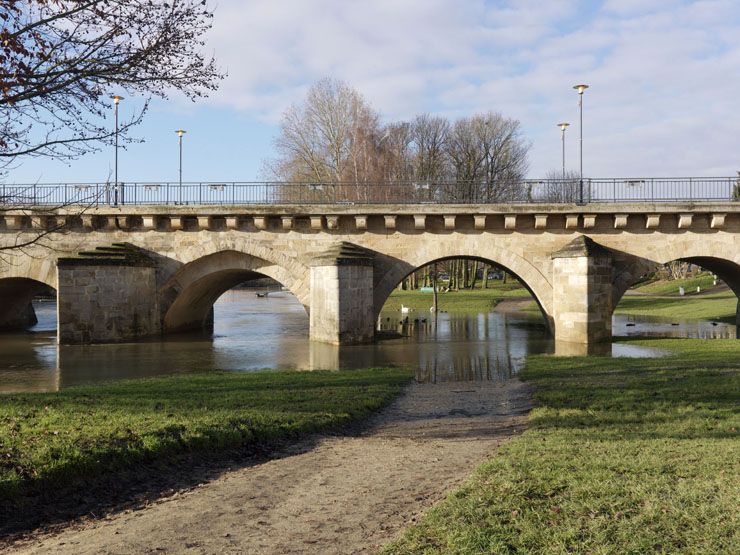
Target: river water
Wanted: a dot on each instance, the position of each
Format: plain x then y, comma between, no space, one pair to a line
252,333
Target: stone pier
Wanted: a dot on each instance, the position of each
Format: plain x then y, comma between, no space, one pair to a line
342,296
106,296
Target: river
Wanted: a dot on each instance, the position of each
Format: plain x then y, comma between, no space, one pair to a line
252,333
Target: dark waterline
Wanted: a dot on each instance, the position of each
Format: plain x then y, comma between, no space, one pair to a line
253,333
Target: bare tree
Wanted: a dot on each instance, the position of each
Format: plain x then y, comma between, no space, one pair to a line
488,158
334,137
429,139
558,188
331,137
61,59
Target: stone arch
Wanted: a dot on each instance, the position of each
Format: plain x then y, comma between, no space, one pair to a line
187,297
41,269
527,273
16,294
710,255
23,277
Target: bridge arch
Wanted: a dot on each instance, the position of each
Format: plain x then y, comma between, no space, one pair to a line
709,254
187,297
21,279
531,277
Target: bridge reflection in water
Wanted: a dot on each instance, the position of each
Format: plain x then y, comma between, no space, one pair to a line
253,333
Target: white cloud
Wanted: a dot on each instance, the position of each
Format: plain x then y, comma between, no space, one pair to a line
664,73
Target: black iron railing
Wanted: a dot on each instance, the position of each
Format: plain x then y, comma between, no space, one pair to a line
693,189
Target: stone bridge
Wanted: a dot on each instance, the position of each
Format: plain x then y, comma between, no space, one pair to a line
123,273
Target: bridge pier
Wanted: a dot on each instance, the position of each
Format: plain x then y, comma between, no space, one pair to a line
342,296
106,296
582,296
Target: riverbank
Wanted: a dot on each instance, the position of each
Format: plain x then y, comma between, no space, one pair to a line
658,299
622,455
465,300
336,494
57,444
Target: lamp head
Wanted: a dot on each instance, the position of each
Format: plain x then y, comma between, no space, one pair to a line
580,88
180,132
563,126
116,98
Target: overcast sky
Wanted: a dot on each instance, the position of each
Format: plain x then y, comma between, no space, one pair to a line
664,76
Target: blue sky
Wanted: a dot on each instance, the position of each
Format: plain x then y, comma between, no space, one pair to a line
664,75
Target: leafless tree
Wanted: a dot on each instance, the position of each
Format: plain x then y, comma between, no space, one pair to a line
60,60
488,158
558,188
334,137
330,137
429,135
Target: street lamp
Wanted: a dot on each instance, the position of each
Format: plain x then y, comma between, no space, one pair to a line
563,126
580,89
180,133
116,99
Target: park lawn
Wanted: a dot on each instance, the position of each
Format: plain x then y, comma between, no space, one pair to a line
466,300
670,287
53,440
711,306
621,456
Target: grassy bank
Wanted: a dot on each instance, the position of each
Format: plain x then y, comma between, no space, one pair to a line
670,287
711,306
659,299
54,440
622,456
467,300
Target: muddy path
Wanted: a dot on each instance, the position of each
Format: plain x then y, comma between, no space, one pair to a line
346,494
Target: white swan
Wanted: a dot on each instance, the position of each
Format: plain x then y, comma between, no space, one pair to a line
404,309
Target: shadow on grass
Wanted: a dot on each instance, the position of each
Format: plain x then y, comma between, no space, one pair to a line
98,449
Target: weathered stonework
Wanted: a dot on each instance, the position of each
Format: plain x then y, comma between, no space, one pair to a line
582,292
198,252
106,299
342,296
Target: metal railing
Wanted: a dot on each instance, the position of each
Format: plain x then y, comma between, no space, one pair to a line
557,191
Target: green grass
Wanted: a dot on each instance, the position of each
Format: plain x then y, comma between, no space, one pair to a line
467,300
715,306
666,287
54,440
622,456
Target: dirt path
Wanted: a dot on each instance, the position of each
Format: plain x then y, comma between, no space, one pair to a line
512,306
346,495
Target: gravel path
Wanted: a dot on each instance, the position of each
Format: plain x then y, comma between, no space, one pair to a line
345,495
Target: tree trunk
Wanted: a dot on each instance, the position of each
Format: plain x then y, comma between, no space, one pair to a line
435,305
474,276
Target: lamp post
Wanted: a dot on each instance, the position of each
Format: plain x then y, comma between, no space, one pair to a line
563,126
580,89
116,99
180,133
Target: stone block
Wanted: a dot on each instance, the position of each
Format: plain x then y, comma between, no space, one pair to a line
652,221
510,221
620,221
718,221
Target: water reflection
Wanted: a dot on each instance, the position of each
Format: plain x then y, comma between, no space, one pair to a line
647,326
252,333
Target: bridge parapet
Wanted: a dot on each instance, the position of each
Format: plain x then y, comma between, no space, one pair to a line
401,217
